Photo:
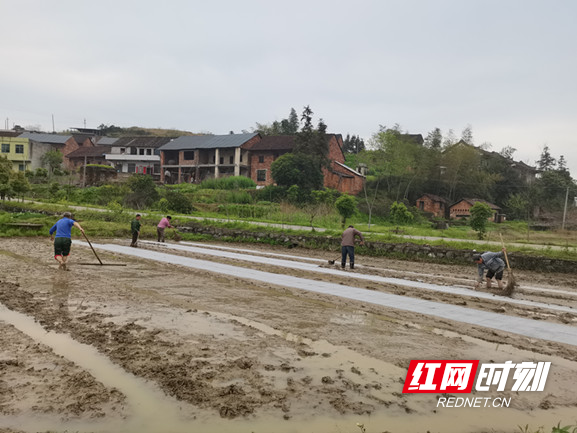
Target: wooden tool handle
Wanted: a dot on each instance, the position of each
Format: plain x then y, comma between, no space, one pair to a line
506,258
93,250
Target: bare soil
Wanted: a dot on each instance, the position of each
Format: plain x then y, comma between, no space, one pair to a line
233,354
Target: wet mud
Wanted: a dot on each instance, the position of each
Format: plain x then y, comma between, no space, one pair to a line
225,349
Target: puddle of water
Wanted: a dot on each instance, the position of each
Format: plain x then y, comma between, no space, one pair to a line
147,403
154,412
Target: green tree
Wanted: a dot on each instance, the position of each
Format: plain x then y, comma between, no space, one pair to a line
517,206
6,174
434,139
288,126
20,184
143,191
346,206
290,168
546,162
480,213
400,214
312,142
53,159
400,160
467,134
353,144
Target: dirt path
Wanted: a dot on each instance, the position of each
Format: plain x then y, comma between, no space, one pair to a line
219,352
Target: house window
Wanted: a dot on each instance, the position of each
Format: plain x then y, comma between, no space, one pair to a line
261,158
5,147
221,160
188,155
19,148
123,150
240,156
22,167
231,160
261,175
149,151
422,205
132,168
141,151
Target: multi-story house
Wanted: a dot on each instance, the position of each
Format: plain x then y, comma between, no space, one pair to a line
18,151
193,158
136,154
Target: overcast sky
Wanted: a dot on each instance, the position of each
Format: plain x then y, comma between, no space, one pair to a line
507,68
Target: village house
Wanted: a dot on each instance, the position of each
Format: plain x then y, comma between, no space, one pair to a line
95,154
136,154
462,209
19,151
65,144
338,176
433,204
193,158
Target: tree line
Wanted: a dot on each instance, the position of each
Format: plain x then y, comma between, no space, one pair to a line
401,167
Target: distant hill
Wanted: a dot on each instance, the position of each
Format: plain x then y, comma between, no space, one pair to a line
117,131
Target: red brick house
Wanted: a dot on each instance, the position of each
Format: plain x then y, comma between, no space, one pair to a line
433,204
338,176
462,209
198,157
264,152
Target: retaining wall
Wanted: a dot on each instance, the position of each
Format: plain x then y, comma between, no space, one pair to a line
426,253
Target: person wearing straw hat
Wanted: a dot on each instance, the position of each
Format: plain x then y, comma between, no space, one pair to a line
63,239
494,264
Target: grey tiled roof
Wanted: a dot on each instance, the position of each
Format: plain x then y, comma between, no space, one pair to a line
46,138
106,140
140,141
190,142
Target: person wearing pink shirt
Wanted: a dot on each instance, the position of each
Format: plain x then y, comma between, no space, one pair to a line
162,225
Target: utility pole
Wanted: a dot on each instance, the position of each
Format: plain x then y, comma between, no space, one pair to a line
565,210
84,173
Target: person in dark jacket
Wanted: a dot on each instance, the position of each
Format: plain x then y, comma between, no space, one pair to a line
348,245
494,264
135,229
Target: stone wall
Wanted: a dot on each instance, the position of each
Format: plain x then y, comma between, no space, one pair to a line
426,253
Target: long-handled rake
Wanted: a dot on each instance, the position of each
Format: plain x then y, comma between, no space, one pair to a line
98,258
511,283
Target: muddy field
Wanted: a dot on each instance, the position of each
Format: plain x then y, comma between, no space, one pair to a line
159,347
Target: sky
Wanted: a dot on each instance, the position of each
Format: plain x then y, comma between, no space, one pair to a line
506,68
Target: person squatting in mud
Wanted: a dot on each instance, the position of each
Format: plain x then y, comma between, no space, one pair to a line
63,240
494,265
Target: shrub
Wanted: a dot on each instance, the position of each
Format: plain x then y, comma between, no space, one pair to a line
231,182
177,202
346,205
400,214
